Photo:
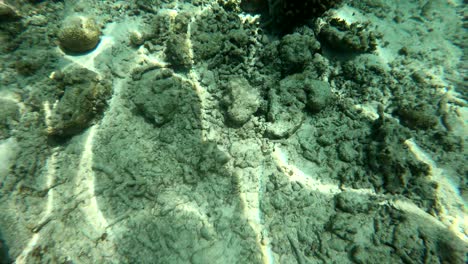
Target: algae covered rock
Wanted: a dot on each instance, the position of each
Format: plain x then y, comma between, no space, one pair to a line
286,105
243,101
341,36
79,34
319,95
387,154
158,97
296,93
84,97
9,114
296,51
178,52
420,116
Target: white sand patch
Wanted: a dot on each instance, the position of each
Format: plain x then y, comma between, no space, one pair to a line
47,214
295,174
85,179
250,194
8,150
453,211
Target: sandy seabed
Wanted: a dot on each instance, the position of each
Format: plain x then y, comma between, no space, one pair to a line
194,132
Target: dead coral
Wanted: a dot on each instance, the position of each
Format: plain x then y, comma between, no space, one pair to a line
418,117
341,36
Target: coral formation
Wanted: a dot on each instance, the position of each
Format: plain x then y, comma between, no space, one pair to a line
79,34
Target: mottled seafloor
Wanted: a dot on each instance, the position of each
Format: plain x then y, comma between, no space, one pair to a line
194,132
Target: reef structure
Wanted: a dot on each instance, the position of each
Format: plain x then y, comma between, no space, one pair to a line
287,14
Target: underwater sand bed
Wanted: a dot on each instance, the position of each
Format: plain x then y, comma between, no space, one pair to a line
226,132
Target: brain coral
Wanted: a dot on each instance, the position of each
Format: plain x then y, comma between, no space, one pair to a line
79,34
